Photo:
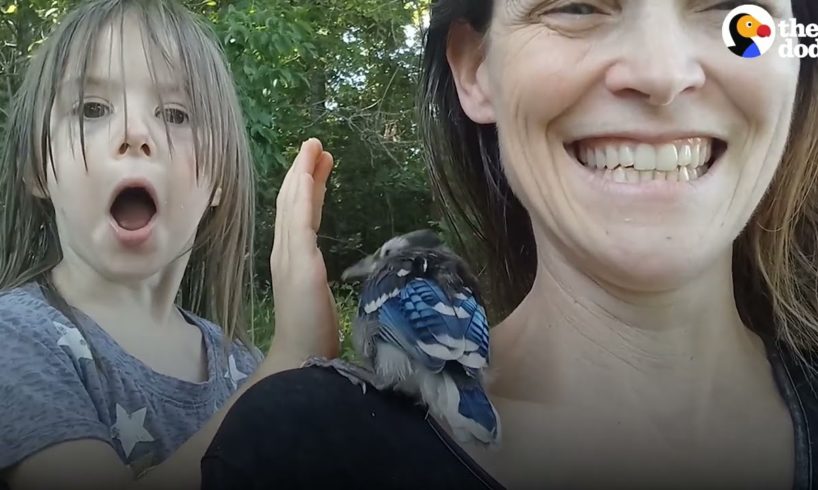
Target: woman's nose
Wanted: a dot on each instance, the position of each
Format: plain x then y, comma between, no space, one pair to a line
136,139
656,64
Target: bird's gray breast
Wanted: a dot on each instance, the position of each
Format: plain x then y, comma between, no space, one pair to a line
363,337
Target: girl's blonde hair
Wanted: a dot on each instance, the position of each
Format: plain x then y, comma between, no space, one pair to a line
219,273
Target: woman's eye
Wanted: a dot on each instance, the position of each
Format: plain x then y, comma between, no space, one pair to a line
95,110
173,115
576,9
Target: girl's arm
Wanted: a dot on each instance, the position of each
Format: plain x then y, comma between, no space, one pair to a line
306,325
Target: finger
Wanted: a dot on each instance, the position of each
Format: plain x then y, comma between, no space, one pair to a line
280,218
323,168
306,160
283,208
321,177
279,249
290,184
288,189
291,178
302,209
287,205
304,235
283,197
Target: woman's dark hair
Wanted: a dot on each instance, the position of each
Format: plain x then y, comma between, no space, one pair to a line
484,215
775,257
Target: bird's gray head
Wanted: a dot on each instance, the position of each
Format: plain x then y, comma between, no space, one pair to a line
414,239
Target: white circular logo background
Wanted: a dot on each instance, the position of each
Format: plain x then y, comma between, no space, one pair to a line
763,43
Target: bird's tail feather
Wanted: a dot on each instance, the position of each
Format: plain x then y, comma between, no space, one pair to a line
463,405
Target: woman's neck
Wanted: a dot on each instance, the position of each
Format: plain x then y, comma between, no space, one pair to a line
572,335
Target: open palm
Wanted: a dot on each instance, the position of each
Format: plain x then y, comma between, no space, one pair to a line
305,314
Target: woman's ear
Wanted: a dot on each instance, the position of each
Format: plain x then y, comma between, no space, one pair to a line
217,197
466,54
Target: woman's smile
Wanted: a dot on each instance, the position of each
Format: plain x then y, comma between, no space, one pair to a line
654,168
634,162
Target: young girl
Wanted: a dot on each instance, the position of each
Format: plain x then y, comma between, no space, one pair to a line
127,220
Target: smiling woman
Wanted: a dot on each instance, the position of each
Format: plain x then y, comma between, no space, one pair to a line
645,202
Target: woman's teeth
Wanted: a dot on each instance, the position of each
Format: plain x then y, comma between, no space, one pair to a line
681,160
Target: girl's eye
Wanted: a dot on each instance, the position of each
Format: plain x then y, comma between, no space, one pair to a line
576,8
95,110
173,115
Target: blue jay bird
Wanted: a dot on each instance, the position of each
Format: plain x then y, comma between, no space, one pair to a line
421,330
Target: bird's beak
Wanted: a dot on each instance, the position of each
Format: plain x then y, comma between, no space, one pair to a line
360,270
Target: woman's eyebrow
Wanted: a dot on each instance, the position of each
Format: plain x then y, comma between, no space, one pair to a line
523,7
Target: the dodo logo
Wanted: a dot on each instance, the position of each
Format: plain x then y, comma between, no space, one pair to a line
749,31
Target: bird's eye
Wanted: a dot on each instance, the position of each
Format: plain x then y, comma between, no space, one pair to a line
386,252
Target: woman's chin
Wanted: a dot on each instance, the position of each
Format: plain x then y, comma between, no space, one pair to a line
649,271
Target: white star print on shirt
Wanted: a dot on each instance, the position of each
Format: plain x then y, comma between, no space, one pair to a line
130,428
233,373
73,339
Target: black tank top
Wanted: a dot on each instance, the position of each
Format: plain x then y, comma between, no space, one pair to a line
311,428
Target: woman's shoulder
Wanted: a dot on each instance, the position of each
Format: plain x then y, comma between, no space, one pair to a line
796,374
324,398
307,411
310,427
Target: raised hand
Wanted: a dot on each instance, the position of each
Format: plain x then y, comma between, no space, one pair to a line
306,319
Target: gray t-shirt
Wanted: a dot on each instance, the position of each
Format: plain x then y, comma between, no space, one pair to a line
52,390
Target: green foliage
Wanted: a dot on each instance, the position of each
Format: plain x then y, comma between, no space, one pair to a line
344,71
346,299
23,26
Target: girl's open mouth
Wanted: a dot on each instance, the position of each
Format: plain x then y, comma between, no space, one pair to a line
133,210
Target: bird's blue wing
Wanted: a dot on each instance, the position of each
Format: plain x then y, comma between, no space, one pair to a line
385,285
476,349
422,321
396,329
